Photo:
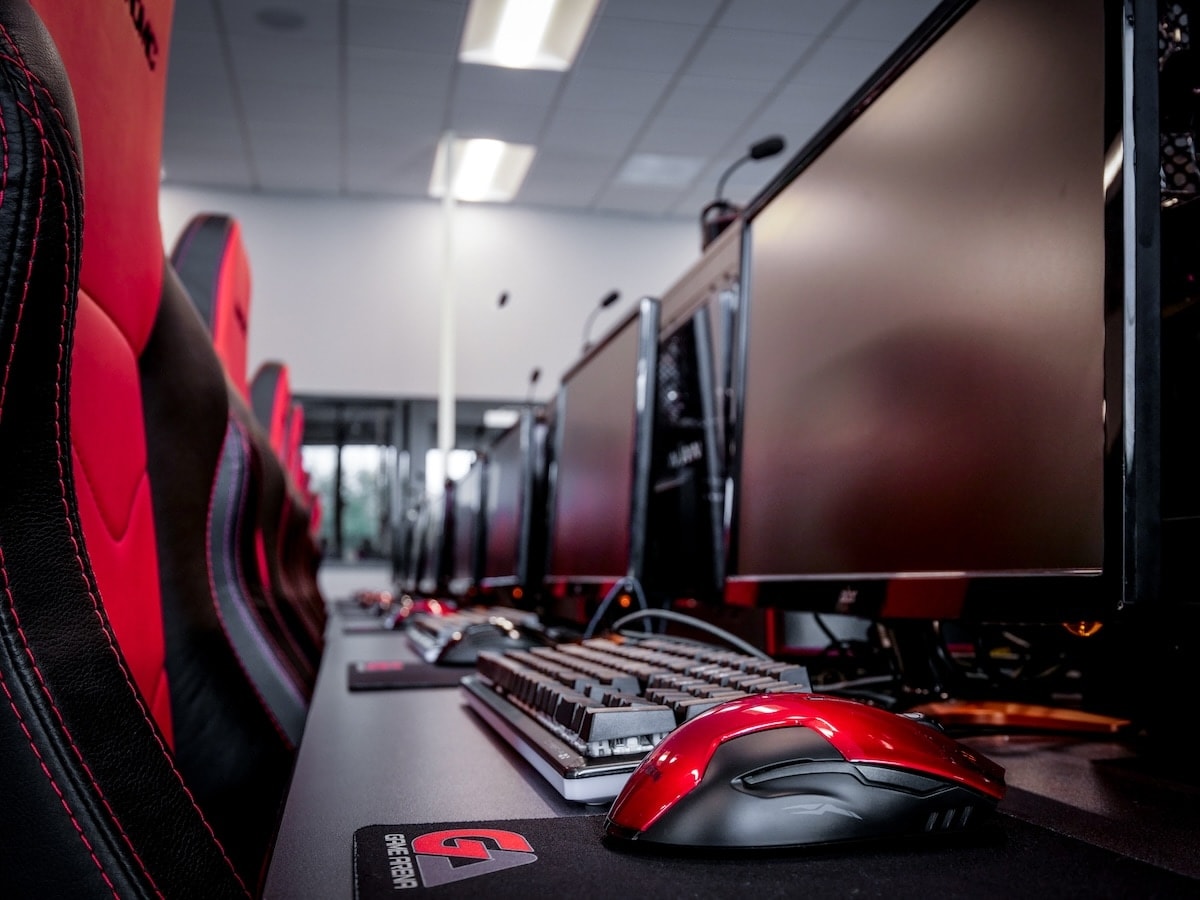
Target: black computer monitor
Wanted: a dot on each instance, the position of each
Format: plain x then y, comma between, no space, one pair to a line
685,543
600,461
515,512
416,521
931,393
465,532
432,563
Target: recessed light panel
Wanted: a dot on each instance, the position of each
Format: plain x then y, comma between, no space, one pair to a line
525,34
485,170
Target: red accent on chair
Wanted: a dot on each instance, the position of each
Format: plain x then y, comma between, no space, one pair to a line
212,263
95,803
109,458
148,415
295,440
271,400
119,101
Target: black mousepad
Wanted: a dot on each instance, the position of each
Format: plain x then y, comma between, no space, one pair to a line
391,674
568,857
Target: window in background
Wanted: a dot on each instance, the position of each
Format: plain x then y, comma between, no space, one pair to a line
320,462
366,489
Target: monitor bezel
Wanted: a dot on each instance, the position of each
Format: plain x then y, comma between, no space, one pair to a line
645,317
1131,563
463,580
530,436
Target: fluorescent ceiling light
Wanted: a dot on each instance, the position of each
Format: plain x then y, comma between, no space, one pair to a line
501,417
484,169
525,34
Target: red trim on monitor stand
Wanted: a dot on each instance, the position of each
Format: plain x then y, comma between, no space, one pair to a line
741,593
771,631
937,598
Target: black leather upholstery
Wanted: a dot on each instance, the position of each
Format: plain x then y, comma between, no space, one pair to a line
91,801
230,748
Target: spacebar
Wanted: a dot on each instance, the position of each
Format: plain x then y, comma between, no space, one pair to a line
612,723
565,760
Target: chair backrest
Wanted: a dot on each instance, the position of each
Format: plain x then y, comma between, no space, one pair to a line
213,265
271,401
146,422
93,802
293,584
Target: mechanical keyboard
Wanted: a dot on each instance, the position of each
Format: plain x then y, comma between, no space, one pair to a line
458,637
585,714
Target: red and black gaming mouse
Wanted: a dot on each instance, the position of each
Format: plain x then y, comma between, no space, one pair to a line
782,770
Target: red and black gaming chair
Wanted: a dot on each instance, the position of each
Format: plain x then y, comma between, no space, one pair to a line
211,261
138,758
294,586
302,556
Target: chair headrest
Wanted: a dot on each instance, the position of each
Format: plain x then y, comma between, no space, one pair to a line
211,261
271,401
115,55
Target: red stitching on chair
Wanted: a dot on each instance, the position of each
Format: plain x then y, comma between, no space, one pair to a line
62,453
49,775
4,571
49,160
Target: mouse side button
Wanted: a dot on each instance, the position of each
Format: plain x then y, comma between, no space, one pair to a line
904,780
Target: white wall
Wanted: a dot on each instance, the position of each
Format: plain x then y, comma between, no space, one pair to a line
346,291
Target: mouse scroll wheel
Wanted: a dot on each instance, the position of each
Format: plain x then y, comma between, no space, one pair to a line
921,719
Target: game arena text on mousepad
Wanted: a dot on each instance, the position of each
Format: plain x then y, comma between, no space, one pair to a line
567,857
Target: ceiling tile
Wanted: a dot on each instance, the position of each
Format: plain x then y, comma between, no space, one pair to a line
614,90
749,55
517,122
687,135
319,107
638,46
420,25
714,97
320,17
192,16
590,130
410,72
783,16
391,115
563,180
285,60
681,12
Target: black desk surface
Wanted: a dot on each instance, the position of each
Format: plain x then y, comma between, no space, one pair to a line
420,755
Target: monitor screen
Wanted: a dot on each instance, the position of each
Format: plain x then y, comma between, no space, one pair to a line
922,373
601,457
465,531
515,509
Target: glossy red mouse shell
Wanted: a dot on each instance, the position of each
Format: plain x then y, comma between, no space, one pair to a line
860,733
